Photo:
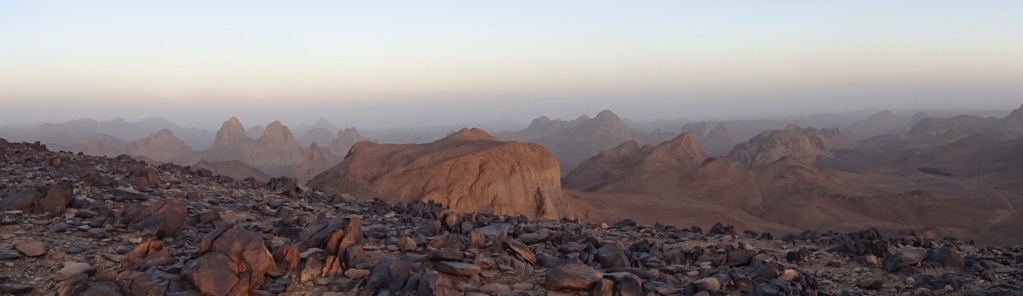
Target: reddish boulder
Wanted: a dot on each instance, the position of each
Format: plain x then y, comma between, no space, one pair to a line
234,262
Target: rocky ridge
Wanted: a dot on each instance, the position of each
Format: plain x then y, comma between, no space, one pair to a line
116,226
772,145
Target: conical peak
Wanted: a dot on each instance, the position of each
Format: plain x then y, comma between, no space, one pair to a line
684,146
232,123
231,132
276,131
316,154
469,134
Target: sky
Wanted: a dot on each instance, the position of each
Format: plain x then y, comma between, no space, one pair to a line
397,63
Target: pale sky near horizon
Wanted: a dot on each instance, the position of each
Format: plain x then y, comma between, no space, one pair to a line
393,63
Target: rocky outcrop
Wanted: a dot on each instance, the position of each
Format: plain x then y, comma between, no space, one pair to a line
342,143
318,135
953,128
231,133
833,138
161,146
540,127
630,162
770,146
468,171
233,262
313,165
585,138
275,152
962,126
714,141
277,148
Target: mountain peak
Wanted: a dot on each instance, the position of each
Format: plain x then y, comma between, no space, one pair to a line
163,133
1017,114
230,132
469,134
883,115
323,123
682,147
277,132
316,154
607,115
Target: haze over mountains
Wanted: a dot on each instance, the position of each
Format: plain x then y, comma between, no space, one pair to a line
897,171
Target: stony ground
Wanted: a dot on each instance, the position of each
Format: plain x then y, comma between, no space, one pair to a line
82,225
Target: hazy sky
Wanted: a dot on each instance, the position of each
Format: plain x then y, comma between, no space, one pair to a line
405,62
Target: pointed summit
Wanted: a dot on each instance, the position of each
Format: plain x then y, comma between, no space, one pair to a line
231,133
315,154
1017,114
606,125
323,123
680,151
539,123
469,134
277,133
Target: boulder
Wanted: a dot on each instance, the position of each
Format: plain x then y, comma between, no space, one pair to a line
234,261
610,255
30,247
390,273
571,276
903,258
161,219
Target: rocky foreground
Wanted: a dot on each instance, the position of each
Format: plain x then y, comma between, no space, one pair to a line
82,225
